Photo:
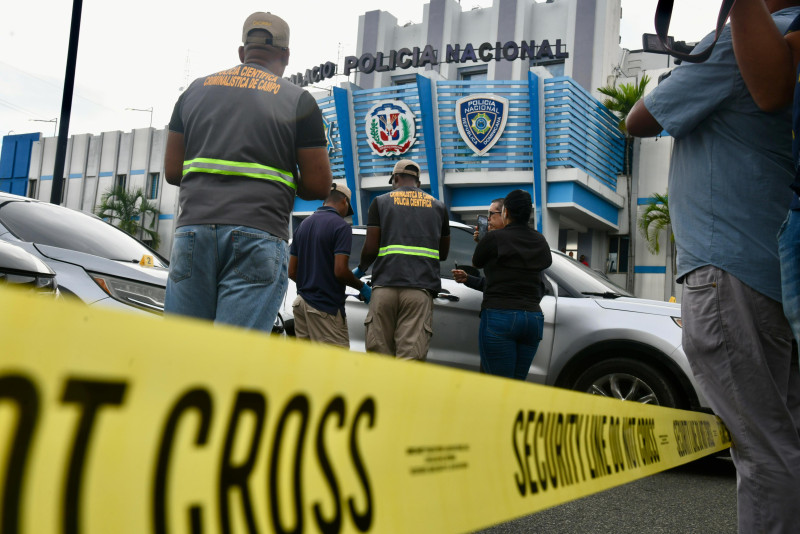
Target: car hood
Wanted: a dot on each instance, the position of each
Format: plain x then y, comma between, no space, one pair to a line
636,305
121,268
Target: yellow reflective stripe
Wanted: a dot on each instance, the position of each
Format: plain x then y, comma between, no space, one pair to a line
409,251
239,168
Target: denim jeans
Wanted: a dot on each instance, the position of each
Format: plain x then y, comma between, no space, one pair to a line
228,274
508,341
789,251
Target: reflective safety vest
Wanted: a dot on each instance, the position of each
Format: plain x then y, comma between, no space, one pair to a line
239,168
411,224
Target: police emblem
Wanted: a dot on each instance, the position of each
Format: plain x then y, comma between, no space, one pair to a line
390,128
481,120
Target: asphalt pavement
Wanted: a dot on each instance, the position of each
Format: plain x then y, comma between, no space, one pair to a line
699,497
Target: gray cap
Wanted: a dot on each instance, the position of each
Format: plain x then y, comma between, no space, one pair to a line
407,167
275,25
343,189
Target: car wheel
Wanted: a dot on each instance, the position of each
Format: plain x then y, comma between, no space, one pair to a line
630,380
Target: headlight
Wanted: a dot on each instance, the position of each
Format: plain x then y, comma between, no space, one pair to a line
144,296
678,321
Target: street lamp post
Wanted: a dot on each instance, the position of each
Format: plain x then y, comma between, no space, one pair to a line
149,110
55,125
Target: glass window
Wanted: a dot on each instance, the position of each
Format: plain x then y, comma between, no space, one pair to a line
556,68
472,73
404,80
355,250
56,226
121,180
33,188
617,254
462,247
152,185
575,279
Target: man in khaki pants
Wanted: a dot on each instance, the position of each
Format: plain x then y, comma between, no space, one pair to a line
408,234
318,264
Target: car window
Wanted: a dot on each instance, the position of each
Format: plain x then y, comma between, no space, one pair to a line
462,246
57,226
575,279
355,250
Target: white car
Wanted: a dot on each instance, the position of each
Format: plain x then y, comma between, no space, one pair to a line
597,337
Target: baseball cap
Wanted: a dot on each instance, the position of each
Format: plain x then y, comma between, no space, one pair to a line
343,189
275,25
407,167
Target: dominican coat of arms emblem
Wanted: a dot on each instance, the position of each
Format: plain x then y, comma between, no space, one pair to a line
390,128
481,120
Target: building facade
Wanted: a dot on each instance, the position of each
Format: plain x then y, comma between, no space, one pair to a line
486,101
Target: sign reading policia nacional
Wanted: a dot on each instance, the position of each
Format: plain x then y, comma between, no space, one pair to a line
481,120
390,128
417,57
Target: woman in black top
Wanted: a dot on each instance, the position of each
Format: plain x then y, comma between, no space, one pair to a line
512,259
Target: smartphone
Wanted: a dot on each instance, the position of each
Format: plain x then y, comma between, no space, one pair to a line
483,226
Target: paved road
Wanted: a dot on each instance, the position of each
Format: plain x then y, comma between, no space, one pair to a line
699,497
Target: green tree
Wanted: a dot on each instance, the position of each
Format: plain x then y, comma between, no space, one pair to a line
128,211
620,101
654,220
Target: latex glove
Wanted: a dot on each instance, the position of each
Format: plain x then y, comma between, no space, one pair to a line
366,293
358,273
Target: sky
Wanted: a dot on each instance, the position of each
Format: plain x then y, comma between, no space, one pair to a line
142,55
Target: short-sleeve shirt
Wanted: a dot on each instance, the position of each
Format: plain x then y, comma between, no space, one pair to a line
242,128
317,241
731,167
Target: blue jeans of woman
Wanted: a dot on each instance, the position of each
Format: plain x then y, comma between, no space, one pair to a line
789,249
508,341
227,274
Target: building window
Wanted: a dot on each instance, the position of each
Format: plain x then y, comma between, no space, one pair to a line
554,67
404,80
152,185
473,73
121,180
618,254
33,188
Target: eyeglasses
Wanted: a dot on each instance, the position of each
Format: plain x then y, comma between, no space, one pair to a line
494,213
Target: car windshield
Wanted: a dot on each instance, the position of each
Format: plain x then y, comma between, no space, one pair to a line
56,226
582,280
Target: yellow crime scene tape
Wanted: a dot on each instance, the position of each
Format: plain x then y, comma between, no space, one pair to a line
111,422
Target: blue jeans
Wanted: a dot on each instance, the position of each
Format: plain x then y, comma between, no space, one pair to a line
508,341
228,274
789,251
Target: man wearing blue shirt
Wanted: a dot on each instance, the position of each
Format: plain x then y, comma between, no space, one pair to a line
318,264
729,187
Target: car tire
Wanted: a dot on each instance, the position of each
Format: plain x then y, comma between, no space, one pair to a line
627,379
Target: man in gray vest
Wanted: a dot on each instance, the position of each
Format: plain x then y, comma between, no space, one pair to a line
408,234
236,141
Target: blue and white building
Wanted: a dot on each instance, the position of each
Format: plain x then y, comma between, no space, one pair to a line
539,62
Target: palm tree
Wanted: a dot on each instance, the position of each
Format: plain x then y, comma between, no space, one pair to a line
652,222
128,210
621,101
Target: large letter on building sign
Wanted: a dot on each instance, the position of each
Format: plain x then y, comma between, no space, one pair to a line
390,128
481,120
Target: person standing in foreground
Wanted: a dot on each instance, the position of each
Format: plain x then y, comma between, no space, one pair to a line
236,140
318,263
728,186
769,64
513,259
408,234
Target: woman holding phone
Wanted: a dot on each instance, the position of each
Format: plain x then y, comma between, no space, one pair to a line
512,259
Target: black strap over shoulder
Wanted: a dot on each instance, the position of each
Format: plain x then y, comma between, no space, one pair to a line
663,17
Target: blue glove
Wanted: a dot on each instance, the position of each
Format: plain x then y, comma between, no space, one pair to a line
358,273
366,292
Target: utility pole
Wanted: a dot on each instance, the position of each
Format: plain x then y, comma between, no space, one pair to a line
66,103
